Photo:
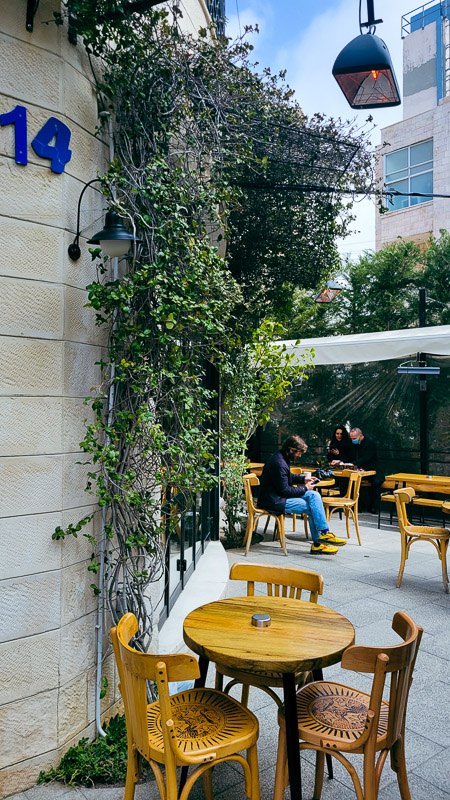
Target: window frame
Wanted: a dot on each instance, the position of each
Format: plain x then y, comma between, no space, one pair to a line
428,167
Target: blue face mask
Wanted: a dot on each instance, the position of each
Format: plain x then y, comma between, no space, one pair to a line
355,441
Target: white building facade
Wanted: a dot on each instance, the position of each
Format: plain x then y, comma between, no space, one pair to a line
415,154
49,344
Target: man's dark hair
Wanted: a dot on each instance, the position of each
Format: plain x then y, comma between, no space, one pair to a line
293,443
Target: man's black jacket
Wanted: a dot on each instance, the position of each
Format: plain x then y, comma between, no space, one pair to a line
277,484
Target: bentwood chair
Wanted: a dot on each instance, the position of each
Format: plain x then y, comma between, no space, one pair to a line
254,514
198,727
339,720
348,503
280,582
409,534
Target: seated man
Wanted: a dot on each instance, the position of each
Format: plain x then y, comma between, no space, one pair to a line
365,457
282,491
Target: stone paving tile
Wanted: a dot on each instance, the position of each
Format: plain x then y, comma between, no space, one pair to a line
52,791
420,790
436,770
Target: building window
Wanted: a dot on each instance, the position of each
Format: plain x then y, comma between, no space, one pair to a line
409,170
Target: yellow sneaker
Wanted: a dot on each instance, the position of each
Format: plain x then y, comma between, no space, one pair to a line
323,549
330,538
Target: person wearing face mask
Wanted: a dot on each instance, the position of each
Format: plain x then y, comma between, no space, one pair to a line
340,447
365,457
283,492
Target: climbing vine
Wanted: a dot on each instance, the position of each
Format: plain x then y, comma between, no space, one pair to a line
193,124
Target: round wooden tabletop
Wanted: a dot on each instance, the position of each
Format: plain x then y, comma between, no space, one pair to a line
302,635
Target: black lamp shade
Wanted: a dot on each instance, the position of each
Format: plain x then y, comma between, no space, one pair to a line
114,232
364,72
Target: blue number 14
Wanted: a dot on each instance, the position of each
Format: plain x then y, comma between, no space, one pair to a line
58,153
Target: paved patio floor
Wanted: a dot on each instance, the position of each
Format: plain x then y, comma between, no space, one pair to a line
360,582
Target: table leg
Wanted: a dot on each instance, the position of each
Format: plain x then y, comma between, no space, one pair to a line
318,676
292,744
203,664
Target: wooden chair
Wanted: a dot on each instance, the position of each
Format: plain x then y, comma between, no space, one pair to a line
339,720
280,582
439,537
255,513
348,504
198,727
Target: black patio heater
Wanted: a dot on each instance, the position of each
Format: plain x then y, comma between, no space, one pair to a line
364,71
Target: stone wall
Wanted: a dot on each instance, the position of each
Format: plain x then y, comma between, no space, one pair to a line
48,348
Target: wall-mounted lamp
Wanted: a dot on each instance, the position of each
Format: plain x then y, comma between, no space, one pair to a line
328,294
364,71
114,239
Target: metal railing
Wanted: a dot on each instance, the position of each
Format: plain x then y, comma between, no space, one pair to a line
422,15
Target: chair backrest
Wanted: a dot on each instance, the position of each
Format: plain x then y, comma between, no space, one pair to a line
135,669
280,581
402,497
354,485
398,660
249,481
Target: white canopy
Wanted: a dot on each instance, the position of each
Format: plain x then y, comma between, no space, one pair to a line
379,346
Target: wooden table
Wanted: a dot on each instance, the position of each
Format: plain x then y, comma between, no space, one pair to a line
256,467
412,480
343,472
446,508
302,636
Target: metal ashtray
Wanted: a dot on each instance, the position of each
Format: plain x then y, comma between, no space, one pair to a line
261,620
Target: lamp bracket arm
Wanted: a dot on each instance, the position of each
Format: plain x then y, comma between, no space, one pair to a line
77,235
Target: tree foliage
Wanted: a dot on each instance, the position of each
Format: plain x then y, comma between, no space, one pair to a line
193,122
382,292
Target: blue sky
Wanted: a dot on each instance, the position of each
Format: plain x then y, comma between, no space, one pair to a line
304,37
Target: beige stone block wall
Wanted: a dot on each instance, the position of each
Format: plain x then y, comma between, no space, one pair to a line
49,344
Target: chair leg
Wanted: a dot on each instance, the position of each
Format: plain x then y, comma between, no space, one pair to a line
244,694
249,539
252,759
219,681
443,545
267,524
347,521
318,780
133,771
281,780
399,765
355,520
249,527
207,784
293,522
404,555
305,523
280,523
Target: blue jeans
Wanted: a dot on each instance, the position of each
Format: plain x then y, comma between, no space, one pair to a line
310,504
